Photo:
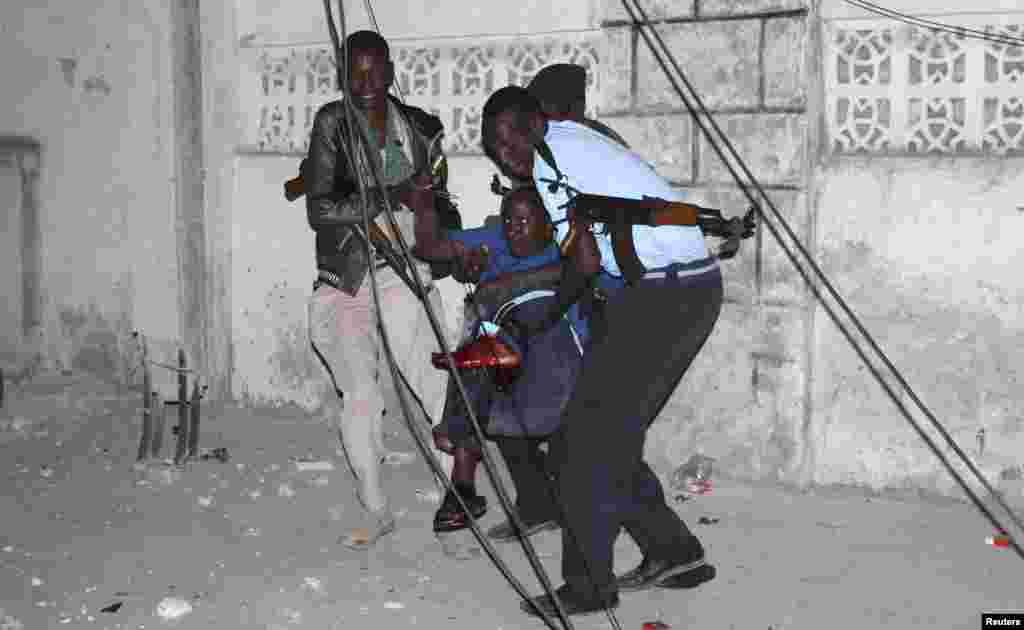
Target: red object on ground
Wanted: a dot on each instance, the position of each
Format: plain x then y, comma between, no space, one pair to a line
655,625
1002,540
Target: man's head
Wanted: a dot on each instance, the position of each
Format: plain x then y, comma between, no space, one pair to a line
525,222
370,71
513,123
561,89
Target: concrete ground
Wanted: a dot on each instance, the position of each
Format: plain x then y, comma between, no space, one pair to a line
252,543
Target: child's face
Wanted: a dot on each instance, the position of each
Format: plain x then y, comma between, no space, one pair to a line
524,225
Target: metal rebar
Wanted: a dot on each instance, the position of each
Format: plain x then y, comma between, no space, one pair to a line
180,451
193,430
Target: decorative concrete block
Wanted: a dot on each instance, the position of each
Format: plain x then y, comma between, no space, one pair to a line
771,145
714,8
664,141
720,60
616,72
612,10
784,67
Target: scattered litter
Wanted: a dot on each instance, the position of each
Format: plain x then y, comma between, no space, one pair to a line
45,471
655,625
171,608
252,531
205,501
292,615
36,582
682,498
319,481
356,538
112,608
314,466
430,496
394,605
707,521
695,475
313,584
831,524
255,494
285,490
1001,540
9,548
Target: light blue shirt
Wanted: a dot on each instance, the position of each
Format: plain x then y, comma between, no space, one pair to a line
591,163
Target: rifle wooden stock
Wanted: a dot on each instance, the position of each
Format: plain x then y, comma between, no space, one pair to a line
675,213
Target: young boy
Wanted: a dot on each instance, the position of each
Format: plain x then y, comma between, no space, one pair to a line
511,261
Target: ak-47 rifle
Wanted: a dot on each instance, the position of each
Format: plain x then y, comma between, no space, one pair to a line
652,211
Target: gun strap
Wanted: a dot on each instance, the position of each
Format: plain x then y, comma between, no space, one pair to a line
625,251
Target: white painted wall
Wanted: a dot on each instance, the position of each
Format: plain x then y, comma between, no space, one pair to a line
269,21
91,81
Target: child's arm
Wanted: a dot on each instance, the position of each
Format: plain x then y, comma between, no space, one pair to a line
431,244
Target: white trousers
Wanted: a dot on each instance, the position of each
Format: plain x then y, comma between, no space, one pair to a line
344,333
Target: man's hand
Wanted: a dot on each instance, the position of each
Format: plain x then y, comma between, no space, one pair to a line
415,193
471,261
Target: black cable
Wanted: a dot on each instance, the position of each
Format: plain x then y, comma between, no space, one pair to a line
828,285
961,31
489,466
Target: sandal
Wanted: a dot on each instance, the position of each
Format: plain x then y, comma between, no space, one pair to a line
450,517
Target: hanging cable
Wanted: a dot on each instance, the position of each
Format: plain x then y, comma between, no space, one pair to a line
700,111
960,31
359,140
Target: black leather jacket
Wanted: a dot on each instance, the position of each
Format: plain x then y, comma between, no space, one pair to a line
334,206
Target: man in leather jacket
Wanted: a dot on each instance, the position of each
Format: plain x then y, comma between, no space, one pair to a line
403,141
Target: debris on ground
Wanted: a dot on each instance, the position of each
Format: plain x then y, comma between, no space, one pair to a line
171,608
707,521
695,475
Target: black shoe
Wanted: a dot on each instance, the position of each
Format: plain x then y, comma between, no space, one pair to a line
450,517
506,532
572,604
652,571
689,579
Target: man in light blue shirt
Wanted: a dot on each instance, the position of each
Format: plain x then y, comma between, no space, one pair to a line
656,325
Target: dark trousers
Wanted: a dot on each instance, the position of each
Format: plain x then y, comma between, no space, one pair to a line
654,331
532,477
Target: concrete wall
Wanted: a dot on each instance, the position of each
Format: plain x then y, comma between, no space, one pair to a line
90,81
920,247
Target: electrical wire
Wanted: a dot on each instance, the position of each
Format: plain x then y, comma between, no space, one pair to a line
961,31
701,111
359,140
